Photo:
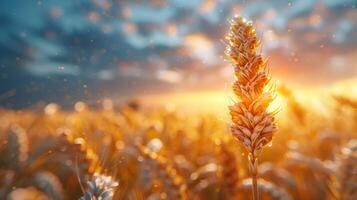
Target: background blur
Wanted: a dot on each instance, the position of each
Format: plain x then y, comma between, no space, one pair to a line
70,50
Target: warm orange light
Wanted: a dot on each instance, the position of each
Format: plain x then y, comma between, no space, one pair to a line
129,27
205,101
207,6
171,29
198,41
93,16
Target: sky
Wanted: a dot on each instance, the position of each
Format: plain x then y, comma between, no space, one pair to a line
70,50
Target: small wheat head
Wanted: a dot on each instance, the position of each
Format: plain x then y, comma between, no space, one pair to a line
15,151
100,188
229,170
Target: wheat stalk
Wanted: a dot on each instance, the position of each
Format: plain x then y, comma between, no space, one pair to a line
252,124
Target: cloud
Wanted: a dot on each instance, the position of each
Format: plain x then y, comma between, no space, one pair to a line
150,46
201,47
169,76
50,68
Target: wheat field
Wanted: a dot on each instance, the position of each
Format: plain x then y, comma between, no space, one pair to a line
138,153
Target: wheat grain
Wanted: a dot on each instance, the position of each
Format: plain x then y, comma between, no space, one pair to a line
252,125
101,187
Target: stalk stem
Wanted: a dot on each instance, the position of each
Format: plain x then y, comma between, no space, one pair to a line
255,188
254,173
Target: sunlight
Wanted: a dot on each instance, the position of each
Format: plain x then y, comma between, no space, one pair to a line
216,102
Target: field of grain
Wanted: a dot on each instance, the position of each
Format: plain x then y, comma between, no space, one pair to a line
167,153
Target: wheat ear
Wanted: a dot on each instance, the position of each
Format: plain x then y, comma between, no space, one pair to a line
229,171
101,187
252,124
15,151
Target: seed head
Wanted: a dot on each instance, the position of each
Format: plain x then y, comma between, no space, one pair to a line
252,124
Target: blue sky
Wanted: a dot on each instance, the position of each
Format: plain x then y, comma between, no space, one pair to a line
68,50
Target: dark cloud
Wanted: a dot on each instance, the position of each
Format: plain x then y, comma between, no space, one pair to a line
73,50
89,49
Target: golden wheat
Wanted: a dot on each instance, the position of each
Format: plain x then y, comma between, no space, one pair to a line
32,157
172,182
252,125
229,172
